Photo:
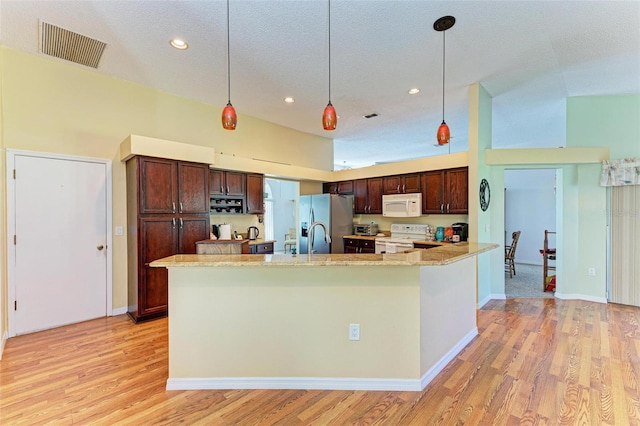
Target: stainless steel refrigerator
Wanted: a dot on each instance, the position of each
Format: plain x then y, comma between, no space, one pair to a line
335,211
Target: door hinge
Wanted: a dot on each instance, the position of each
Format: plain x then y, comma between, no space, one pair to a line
14,174
15,305
14,239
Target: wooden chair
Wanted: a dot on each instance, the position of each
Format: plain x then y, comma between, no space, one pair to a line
510,254
548,254
290,239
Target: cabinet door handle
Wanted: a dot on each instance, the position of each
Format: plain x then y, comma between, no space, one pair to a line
181,223
173,208
173,221
227,189
398,188
447,207
441,208
221,189
404,188
181,207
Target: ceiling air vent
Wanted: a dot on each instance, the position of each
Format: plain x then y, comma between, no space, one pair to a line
373,114
70,46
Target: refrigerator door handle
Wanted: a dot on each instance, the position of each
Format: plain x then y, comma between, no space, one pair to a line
311,237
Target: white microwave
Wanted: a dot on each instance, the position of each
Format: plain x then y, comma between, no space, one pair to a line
402,205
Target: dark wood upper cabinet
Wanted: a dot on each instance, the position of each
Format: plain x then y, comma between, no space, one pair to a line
158,185
255,194
235,183
330,188
367,196
374,195
217,183
445,191
401,184
433,192
344,187
457,186
227,183
193,187
360,203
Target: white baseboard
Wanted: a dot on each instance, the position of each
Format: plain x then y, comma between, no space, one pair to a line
3,340
491,297
119,311
323,383
294,383
442,363
581,297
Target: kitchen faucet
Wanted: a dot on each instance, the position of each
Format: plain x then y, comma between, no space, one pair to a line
327,238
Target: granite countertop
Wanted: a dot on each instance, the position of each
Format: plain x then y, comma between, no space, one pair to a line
416,257
244,240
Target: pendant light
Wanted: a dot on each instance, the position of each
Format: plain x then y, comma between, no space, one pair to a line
329,116
229,117
443,24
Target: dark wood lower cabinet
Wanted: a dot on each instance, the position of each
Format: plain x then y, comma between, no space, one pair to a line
262,248
357,245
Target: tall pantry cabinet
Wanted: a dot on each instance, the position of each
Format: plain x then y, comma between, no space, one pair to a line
167,212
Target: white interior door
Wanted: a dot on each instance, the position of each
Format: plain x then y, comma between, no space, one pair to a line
60,274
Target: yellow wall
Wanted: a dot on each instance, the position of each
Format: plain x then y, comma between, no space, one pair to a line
3,220
50,106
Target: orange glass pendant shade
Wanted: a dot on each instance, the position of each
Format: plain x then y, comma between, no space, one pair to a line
443,134
229,117
329,117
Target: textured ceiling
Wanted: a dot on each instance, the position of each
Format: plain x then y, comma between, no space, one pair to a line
529,55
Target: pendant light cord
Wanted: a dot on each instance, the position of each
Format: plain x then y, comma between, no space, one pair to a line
443,50
329,51
228,60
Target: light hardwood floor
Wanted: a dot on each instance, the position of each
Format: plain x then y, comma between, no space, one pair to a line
536,361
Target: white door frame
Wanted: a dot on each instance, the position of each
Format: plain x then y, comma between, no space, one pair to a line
11,224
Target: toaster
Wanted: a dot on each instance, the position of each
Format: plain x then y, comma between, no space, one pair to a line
365,229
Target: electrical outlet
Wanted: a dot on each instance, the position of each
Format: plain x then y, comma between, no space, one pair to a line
591,272
354,331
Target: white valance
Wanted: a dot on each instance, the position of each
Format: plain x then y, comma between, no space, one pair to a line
620,172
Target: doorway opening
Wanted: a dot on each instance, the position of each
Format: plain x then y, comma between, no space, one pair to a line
529,207
281,211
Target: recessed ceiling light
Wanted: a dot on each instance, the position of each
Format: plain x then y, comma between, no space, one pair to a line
179,44
289,100
414,91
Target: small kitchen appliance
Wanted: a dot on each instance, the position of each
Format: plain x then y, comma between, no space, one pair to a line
365,229
402,237
460,232
225,231
253,232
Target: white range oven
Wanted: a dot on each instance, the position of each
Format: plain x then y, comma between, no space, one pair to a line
402,237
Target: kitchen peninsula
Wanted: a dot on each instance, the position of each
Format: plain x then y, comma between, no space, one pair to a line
325,321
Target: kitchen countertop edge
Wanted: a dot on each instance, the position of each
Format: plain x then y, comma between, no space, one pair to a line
443,255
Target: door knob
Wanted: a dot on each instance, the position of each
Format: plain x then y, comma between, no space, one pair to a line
100,247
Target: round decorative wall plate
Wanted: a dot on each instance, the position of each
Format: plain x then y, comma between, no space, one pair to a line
485,195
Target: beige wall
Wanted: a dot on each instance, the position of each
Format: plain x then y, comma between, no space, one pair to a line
50,106
3,220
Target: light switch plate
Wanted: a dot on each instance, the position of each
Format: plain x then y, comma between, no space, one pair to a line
119,230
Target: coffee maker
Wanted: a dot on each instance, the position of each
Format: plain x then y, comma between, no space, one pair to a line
460,231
